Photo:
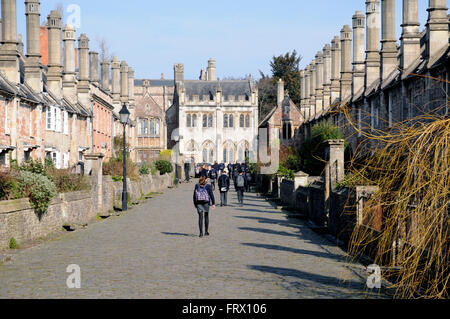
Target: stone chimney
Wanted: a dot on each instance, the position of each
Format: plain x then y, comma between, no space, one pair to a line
410,34
178,72
312,87
346,63
83,68
211,71
280,93
302,88
437,28
372,42
307,82
319,81
389,39
105,65
93,67
33,72
202,75
1,30
115,80
358,52
9,54
326,76
69,78
124,83
131,85
54,73
335,70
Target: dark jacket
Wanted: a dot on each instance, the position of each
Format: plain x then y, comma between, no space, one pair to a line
245,183
224,181
216,167
222,166
210,173
212,200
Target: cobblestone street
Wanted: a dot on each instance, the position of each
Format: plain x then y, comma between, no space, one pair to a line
154,252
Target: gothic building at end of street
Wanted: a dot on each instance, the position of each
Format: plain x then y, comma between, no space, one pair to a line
214,120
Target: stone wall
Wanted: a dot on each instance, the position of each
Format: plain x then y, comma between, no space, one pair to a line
18,219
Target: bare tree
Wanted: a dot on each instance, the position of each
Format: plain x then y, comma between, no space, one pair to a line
103,46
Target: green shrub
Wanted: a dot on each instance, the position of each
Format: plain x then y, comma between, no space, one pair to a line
144,169
13,244
66,182
312,150
32,166
164,167
286,172
38,188
117,178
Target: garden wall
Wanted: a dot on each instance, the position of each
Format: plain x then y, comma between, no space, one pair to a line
18,219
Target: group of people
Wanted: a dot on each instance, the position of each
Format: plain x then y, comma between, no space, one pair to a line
222,176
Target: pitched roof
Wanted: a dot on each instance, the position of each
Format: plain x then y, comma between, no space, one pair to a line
233,88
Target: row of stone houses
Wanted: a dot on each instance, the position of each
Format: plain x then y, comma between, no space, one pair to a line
56,110
379,82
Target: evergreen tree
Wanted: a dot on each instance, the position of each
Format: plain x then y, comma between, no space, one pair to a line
287,68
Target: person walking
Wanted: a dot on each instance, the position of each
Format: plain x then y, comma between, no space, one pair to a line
221,168
230,170
248,178
187,169
204,171
224,187
240,186
203,201
213,178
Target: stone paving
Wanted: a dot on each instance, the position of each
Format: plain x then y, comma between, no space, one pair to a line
154,251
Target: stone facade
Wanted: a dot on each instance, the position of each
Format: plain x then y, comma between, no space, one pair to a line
215,120
53,110
152,99
398,81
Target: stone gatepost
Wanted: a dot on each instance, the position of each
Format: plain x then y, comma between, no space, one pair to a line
334,169
96,163
300,180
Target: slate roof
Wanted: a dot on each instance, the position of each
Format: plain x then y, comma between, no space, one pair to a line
159,82
229,88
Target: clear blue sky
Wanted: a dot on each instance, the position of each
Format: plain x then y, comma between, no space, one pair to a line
242,35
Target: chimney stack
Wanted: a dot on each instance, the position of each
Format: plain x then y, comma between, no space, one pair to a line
69,79
105,65
115,81
9,54
358,52
302,88
312,87
335,70
211,71
319,81
437,28
54,73
346,63
280,93
131,85
124,83
307,82
389,41
178,73
33,72
326,76
93,67
202,75
372,42
83,68
410,33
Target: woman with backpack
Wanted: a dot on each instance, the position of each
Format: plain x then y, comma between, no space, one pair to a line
203,200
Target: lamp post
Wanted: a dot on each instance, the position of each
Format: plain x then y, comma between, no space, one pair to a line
124,117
